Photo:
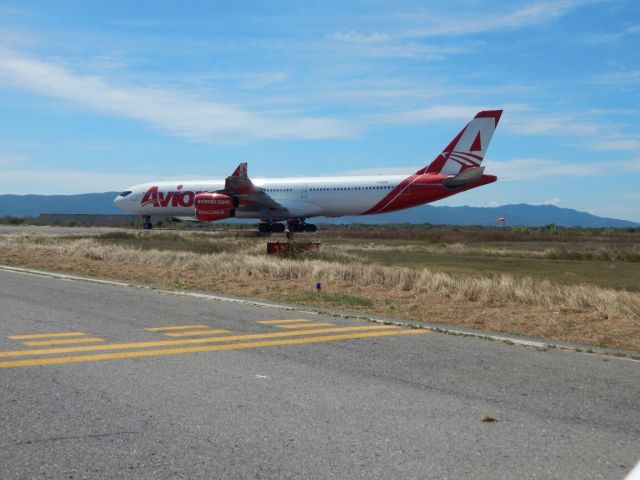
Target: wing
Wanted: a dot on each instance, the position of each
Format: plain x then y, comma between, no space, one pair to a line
250,197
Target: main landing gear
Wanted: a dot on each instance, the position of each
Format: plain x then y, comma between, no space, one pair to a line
293,225
147,222
271,227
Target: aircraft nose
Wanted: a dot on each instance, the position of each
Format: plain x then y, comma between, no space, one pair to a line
120,200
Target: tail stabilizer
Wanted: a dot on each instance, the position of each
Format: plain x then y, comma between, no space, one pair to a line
468,148
465,177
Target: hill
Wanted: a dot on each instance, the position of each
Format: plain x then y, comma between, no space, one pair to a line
520,214
34,205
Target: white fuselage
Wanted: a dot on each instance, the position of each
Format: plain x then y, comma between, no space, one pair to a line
302,197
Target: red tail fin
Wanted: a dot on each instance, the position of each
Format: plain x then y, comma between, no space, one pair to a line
468,148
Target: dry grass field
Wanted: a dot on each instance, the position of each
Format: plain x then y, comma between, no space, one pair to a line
567,284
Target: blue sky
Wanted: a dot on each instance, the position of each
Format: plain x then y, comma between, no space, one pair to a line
97,96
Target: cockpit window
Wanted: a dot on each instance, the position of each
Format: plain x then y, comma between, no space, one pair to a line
124,194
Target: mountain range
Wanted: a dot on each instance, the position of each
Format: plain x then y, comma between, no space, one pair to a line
520,214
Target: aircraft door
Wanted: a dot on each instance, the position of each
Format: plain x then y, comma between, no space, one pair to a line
304,191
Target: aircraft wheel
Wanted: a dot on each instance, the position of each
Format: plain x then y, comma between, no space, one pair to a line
264,227
147,226
277,227
310,227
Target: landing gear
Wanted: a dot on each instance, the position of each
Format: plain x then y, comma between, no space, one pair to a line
271,227
294,226
264,228
147,223
299,225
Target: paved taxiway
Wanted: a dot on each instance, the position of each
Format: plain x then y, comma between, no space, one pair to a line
99,381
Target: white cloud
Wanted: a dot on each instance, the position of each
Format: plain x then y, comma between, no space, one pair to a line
433,113
617,142
383,45
465,24
263,79
8,159
380,171
395,44
414,50
536,124
598,38
429,114
175,111
355,37
633,195
553,201
532,168
623,78
602,38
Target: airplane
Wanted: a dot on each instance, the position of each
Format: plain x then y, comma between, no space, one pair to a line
294,200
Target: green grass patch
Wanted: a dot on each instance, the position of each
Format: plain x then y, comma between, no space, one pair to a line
333,299
603,273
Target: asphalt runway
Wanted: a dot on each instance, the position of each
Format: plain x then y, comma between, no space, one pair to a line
100,381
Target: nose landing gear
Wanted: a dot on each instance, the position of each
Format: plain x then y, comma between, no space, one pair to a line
147,222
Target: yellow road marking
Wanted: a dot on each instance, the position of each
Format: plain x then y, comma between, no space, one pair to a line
195,332
66,341
187,341
177,327
45,335
204,348
306,325
295,320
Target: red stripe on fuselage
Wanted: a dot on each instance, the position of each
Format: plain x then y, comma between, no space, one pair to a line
420,189
392,195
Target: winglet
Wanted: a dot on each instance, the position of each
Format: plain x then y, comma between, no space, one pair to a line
468,148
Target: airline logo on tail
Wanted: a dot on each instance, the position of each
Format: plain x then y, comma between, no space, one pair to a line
468,148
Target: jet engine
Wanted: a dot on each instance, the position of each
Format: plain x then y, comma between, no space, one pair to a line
215,206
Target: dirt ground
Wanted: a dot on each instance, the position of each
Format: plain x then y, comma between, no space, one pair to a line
582,327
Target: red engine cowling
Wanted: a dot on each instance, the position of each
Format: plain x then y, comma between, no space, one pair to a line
214,206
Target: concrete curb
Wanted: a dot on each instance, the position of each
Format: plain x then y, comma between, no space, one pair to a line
507,339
